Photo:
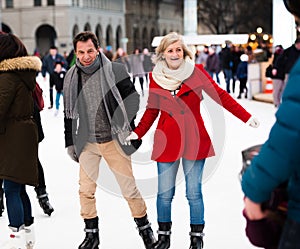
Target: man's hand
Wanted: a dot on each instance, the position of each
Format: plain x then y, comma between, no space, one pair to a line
72,153
132,136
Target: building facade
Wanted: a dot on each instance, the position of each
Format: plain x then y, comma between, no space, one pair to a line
117,23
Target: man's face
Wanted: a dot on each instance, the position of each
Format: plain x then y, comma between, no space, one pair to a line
86,52
53,51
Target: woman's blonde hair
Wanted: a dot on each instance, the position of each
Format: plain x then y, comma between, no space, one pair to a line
166,41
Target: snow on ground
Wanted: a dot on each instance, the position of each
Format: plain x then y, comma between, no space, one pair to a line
221,187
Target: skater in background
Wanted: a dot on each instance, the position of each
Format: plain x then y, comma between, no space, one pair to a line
40,189
175,94
279,158
18,137
49,61
213,64
285,62
147,64
57,80
242,75
277,75
94,78
226,58
121,56
137,68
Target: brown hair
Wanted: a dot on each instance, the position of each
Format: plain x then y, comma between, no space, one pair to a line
11,46
85,36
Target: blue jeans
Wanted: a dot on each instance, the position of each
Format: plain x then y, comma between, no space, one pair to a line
228,77
166,189
58,94
217,76
18,204
290,235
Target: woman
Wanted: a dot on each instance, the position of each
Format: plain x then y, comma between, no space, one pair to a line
18,135
175,93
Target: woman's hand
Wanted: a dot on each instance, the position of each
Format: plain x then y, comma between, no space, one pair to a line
253,122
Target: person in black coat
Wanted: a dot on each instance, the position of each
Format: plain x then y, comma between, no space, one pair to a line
49,61
57,80
40,190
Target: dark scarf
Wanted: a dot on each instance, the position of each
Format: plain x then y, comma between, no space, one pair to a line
103,86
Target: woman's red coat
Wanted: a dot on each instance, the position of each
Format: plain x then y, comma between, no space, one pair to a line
180,130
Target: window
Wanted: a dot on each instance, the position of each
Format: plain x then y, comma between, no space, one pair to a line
9,3
37,2
75,2
50,2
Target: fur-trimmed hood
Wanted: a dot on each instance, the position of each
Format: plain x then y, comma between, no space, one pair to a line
31,63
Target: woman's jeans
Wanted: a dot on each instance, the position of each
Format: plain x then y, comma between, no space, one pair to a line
290,235
167,172
18,204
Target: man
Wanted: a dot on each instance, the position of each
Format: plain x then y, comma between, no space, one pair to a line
279,158
48,66
286,61
100,96
226,58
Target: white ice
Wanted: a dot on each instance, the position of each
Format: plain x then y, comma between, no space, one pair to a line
222,193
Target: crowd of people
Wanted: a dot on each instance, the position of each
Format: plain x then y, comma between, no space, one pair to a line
100,104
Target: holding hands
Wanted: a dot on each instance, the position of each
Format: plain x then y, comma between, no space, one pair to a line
132,136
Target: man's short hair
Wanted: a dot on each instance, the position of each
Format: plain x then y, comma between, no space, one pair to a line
85,36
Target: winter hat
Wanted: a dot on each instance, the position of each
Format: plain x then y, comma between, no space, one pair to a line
244,57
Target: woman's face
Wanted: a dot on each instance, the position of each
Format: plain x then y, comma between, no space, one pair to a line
174,55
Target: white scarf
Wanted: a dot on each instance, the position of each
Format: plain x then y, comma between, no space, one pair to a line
171,79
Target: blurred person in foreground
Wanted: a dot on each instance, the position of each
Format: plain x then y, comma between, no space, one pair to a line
100,97
175,92
18,137
279,158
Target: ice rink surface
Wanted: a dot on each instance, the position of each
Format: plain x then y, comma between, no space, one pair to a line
222,193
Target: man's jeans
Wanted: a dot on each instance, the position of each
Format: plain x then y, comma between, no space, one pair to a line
166,189
18,204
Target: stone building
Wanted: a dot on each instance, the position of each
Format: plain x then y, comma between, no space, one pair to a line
117,23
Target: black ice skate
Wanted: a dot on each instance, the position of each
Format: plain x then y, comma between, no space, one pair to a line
196,236
44,201
91,240
164,233
145,231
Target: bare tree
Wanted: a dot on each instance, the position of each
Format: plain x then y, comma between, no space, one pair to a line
235,16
